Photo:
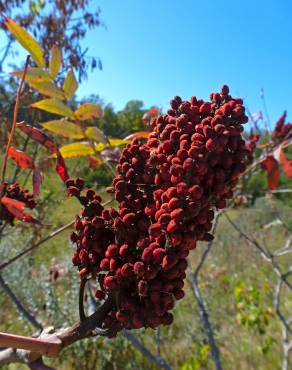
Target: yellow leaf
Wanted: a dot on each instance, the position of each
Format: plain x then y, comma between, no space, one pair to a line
88,111
54,106
76,150
47,88
55,61
33,74
64,128
262,146
96,134
70,85
119,142
112,142
25,39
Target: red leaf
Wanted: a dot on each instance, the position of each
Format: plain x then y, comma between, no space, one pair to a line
39,136
149,114
270,164
16,208
22,159
37,180
153,112
286,163
61,167
47,142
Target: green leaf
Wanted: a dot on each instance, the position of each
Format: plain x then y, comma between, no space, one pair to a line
55,61
33,74
76,150
88,111
64,128
70,85
25,39
47,88
54,106
96,134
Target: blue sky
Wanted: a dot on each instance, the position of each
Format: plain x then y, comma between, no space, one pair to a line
155,49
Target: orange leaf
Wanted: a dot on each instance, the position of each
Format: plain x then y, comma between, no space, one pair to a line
139,135
22,159
93,162
16,208
270,164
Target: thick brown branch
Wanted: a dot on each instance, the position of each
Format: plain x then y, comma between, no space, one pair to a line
28,349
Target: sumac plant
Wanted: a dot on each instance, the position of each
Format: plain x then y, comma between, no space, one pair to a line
168,184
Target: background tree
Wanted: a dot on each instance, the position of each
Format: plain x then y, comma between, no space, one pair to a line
55,22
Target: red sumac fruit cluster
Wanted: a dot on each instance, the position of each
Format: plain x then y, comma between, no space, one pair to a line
282,131
167,190
251,146
15,192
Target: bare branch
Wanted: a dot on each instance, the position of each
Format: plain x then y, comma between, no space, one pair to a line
282,279
20,307
202,304
267,256
157,360
206,322
285,250
35,246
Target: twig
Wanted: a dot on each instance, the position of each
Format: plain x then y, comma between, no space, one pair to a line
262,95
34,246
82,315
5,54
20,307
285,250
157,360
282,279
206,323
15,114
202,304
267,256
50,236
281,191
